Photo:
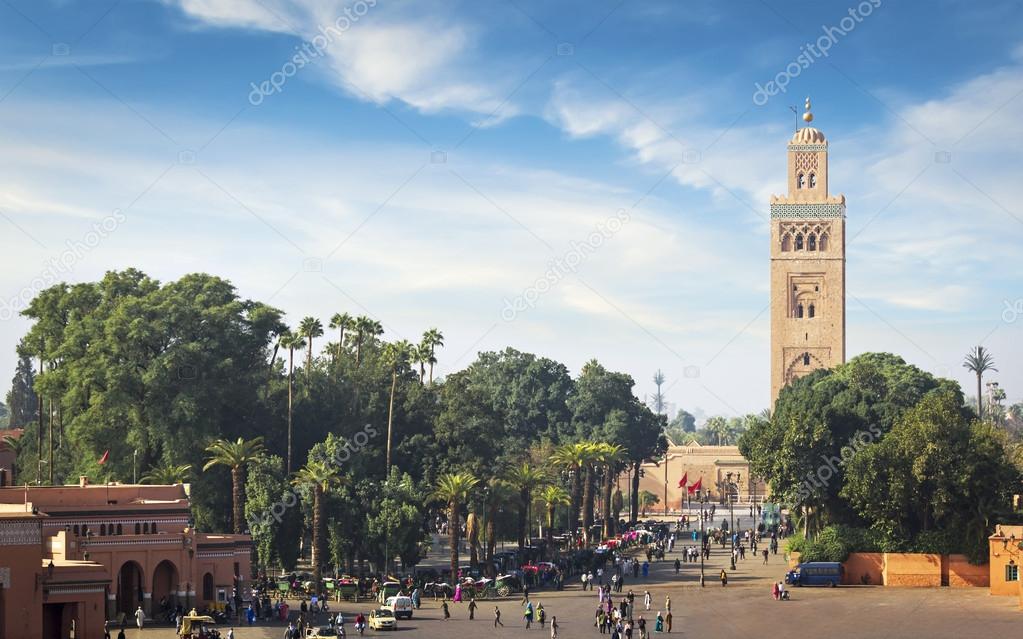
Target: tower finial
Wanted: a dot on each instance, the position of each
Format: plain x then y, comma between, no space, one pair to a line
808,117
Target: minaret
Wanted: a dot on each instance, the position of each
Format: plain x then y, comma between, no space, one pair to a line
807,264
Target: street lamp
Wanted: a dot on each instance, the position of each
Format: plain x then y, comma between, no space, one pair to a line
702,497
731,515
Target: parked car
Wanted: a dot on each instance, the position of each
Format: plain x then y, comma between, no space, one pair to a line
382,619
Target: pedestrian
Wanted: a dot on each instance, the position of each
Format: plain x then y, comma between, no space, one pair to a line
582,579
774,590
140,618
646,569
447,613
659,623
667,621
554,628
230,633
497,617
120,633
765,556
641,624
678,565
724,578
528,614
541,616
472,608
601,621
667,603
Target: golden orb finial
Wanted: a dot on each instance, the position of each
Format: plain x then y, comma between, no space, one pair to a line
807,117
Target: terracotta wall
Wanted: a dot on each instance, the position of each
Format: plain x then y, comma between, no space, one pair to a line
912,569
963,574
864,568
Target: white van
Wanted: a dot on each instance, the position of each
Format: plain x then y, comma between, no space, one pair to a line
400,606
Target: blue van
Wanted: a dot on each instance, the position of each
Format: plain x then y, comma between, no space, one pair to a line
816,573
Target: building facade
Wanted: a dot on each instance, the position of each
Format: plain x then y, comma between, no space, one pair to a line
97,552
807,265
712,464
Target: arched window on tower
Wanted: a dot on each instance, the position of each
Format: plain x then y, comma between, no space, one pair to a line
806,359
800,181
810,311
799,241
813,181
799,310
811,242
824,242
102,530
786,242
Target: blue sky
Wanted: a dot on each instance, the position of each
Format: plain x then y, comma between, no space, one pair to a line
431,163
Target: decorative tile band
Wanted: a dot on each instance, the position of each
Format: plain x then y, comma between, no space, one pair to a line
808,147
807,211
20,533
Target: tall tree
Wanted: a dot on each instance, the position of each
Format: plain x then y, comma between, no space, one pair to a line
432,338
168,473
21,399
341,322
524,478
320,478
609,456
235,455
292,343
454,489
366,328
979,361
573,458
396,354
310,328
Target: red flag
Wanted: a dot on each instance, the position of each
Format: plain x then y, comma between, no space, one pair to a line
104,458
696,487
682,482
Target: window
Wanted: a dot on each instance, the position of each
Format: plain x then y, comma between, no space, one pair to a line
799,241
77,531
786,242
824,242
102,530
152,528
800,181
811,242
806,359
120,531
145,529
813,181
809,311
1012,572
799,310
138,528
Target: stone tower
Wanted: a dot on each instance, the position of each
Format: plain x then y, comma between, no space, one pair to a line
807,265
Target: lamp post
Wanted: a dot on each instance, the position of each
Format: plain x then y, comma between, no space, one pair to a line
731,516
702,498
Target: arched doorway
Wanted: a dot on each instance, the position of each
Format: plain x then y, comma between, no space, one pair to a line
165,585
129,587
207,587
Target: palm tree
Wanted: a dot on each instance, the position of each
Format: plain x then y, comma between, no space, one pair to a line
717,427
310,327
524,478
432,339
342,322
396,354
365,327
609,456
320,478
168,473
573,459
553,496
647,499
420,355
292,343
236,456
454,490
979,361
